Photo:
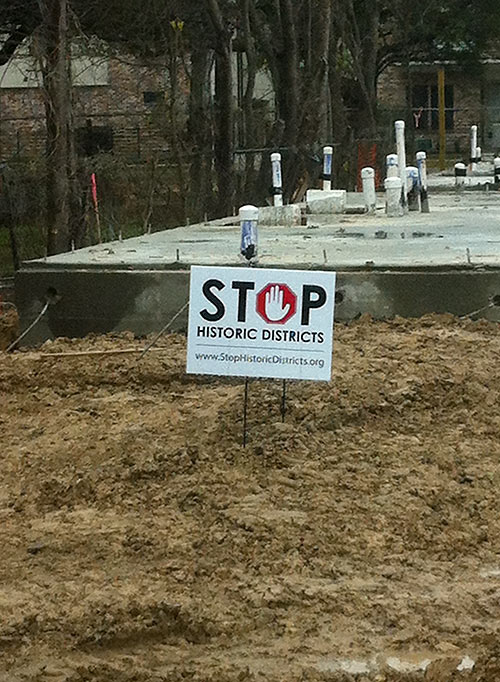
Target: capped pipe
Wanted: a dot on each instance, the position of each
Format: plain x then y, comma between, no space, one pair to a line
249,219
496,165
413,188
401,148
479,154
460,174
277,179
392,166
370,196
422,180
473,149
393,188
327,167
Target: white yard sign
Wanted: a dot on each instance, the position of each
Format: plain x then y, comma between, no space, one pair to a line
250,322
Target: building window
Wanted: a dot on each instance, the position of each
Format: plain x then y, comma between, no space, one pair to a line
92,140
153,97
425,100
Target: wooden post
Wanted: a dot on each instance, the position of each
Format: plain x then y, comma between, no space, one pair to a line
442,119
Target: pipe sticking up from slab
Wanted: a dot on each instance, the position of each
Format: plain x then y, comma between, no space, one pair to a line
413,188
370,197
277,179
401,148
327,168
496,165
249,219
473,149
393,206
422,180
392,166
460,175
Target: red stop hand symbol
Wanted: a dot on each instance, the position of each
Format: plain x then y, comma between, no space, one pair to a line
276,303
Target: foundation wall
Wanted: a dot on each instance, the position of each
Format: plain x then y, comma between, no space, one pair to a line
142,301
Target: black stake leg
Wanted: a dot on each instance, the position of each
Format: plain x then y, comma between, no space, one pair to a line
283,401
245,412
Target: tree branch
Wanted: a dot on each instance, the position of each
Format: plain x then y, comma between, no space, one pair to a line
16,37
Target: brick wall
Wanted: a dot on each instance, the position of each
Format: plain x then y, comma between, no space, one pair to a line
139,129
468,108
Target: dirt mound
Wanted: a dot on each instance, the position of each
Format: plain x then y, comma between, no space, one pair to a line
358,540
9,326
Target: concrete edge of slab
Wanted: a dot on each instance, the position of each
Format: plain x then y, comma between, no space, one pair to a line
102,301
38,266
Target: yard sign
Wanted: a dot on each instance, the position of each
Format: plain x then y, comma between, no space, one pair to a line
247,322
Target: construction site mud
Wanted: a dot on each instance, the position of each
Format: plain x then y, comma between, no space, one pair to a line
358,540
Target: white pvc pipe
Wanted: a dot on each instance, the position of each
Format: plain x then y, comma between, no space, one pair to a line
392,166
401,147
422,168
249,219
460,174
473,149
393,188
413,188
327,167
370,196
422,179
479,154
277,179
496,164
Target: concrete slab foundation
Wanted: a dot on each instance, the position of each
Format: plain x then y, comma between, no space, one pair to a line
447,261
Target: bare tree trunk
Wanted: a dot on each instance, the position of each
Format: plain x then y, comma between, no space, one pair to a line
288,64
10,217
62,194
200,134
173,120
224,129
314,119
370,59
248,111
224,110
361,29
339,112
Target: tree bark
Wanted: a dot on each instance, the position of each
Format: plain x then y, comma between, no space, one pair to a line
200,134
362,30
313,124
248,109
10,217
224,110
62,193
288,64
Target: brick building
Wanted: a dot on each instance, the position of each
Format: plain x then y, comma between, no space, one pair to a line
119,106
471,97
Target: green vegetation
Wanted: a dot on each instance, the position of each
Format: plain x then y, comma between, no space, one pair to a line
31,244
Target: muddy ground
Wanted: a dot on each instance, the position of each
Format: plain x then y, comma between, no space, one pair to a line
359,540
9,325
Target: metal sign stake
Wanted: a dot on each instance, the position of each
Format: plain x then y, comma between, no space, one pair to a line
245,413
283,401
